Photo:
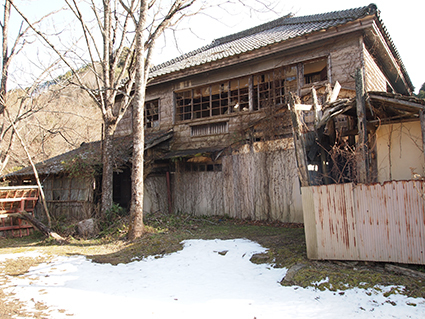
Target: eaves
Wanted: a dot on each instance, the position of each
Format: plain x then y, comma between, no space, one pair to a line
295,43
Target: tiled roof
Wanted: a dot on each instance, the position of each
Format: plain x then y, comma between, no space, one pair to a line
279,30
91,154
282,29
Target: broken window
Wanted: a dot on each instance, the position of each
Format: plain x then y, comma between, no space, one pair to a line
268,88
263,90
316,71
220,98
184,105
152,113
239,91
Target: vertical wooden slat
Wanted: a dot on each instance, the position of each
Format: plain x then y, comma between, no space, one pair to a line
300,151
422,119
362,163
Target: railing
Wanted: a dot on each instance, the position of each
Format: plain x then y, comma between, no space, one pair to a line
14,200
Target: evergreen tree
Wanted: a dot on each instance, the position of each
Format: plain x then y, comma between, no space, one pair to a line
421,93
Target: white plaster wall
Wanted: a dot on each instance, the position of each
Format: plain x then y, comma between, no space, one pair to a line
400,152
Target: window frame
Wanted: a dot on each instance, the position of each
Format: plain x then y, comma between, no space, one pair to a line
246,93
155,122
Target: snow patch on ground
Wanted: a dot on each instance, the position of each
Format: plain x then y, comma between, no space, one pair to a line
200,281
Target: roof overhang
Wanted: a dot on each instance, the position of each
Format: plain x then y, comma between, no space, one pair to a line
391,65
288,46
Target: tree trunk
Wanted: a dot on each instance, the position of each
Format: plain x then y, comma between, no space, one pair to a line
41,227
108,171
137,181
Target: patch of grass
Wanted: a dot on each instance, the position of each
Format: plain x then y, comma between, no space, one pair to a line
20,266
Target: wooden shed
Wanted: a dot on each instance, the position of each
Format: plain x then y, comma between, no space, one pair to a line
72,181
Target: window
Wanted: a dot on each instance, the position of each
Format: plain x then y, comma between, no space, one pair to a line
220,98
209,129
212,100
316,71
270,88
202,167
239,92
152,113
265,89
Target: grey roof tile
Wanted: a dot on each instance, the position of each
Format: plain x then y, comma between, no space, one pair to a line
279,30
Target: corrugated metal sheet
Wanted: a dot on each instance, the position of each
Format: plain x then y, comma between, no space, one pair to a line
370,222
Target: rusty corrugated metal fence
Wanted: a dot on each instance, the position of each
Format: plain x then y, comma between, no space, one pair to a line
366,222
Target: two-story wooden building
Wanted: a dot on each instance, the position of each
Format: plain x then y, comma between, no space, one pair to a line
222,111
232,149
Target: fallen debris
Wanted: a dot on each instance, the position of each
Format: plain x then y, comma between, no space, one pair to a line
42,228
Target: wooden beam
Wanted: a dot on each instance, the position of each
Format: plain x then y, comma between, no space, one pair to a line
397,101
302,107
337,108
422,119
300,151
362,147
319,136
335,92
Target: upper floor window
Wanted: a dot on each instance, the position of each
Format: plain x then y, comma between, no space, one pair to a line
249,93
152,113
316,71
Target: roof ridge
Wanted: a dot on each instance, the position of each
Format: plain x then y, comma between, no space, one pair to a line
289,19
354,13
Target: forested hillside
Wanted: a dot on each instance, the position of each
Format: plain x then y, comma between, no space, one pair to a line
56,119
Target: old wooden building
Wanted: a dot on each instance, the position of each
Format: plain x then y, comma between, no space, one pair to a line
232,149
227,144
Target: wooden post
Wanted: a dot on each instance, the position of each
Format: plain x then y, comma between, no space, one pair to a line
362,148
319,134
300,151
422,118
169,193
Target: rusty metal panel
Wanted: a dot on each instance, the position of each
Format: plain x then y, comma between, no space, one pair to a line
335,220
371,222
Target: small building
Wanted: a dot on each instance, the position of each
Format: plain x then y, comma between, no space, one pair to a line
72,181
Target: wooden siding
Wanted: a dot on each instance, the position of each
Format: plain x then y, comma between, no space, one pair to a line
384,223
67,198
155,194
345,58
374,78
253,183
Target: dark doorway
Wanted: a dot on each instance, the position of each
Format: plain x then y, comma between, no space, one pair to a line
122,188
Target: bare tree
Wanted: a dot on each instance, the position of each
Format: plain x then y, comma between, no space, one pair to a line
143,54
120,58
8,124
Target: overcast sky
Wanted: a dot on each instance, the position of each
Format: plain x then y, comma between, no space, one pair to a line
404,21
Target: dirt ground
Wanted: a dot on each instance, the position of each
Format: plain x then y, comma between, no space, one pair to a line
285,243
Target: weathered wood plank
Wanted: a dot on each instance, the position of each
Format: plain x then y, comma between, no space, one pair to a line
362,147
299,145
422,119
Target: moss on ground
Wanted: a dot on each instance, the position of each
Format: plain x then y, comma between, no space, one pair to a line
285,243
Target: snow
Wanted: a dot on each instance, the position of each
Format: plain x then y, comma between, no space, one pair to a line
207,279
